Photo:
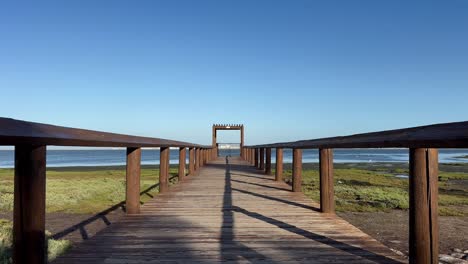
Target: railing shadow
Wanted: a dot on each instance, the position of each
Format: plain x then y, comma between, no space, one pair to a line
357,251
227,236
81,226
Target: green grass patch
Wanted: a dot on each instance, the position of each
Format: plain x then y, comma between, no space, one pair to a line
377,189
83,192
55,248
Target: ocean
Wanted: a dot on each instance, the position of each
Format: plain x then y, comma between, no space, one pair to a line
110,157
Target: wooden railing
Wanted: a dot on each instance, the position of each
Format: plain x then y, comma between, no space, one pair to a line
30,141
422,143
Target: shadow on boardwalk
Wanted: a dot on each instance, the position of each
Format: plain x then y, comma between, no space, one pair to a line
230,213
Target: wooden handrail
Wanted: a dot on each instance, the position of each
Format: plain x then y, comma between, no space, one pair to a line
17,132
447,135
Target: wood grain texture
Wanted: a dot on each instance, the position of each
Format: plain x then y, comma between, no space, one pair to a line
164,169
279,165
297,171
182,158
230,213
29,205
423,226
132,194
327,198
15,132
268,161
448,135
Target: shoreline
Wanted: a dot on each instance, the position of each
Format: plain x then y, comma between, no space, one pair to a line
305,165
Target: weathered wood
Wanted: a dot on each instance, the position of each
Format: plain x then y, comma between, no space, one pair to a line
17,132
191,161
257,164
449,135
231,214
132,194
197,159
262,159
182,157
29,245
268,161
164,169
423,192
279,165
327,201
297,171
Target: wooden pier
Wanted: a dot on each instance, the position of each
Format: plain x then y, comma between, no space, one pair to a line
230,212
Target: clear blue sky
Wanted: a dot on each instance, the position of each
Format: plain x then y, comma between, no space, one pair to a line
288,70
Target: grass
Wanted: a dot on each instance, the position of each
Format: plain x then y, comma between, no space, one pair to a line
358,188
54,247
377,189
75,191
82,192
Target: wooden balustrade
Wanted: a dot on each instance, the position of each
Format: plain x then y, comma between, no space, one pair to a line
268,161
30,141
132,194
279,165
423,143
262,159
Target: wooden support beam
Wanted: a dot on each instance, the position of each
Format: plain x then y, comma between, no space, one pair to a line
297,170
262,159
252,156
164,169
29,244
327,200
197,159
268,161
279,164
182,157
191,161
257,164
423,198
132,194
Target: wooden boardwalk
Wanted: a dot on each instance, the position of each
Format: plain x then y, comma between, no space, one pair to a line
230,213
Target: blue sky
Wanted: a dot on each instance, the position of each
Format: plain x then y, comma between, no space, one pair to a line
288,70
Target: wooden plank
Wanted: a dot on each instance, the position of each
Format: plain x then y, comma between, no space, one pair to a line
262,159
18,132
191,161
182,157
132,194
164,169
232,213
447,135
327,200
424,234
268,161
297,171
279,165
29,245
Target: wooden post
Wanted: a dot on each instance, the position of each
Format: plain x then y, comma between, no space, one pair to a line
197,159
297,171
279,164
252,156
182,158
268,162
202,157
164,169
327,201
191,161
29,244
132,194
262,158
256,158
423,198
